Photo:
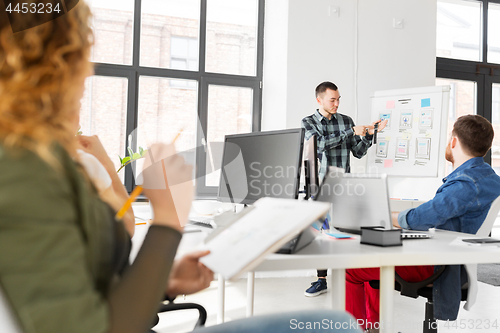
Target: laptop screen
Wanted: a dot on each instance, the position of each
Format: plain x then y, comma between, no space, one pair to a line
357,200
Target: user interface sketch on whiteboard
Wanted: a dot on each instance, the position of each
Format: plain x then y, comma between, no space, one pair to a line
415,136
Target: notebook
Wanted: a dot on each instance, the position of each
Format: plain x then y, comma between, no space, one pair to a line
359,200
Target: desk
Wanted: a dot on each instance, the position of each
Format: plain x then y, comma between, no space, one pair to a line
342,254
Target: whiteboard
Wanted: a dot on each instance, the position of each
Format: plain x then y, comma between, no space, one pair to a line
414,140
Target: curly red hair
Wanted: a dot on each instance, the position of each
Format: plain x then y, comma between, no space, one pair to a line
42,72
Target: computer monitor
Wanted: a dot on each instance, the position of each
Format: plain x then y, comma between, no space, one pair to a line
311,168
261,164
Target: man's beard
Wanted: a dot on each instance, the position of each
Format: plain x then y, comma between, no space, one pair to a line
448,155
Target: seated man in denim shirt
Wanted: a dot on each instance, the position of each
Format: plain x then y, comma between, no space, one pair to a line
460,204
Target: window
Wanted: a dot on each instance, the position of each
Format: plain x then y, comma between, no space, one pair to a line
232,35
495,148
493,33
226,103
495,104
462,102
183,55
170,29
459,29
104,113
468,58
164,66
113,23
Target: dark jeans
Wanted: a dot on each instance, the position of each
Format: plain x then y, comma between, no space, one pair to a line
322,273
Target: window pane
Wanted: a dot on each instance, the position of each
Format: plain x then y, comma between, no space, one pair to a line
459,29
231,36
165,110
495,148
179,47
113,23
104,113
170,29
229,112
493,36
463,101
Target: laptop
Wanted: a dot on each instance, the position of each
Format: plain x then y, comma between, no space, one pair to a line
299,242
359,200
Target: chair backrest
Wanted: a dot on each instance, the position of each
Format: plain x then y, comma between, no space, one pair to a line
8,322
484,231
487,225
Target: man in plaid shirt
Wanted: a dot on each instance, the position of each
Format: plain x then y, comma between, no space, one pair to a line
337,137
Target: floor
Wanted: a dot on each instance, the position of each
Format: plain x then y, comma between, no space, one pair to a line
286,294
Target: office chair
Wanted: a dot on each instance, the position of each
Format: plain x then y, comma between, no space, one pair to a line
424,288
171,306
421,289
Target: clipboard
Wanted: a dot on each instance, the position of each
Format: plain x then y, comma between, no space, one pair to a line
244,244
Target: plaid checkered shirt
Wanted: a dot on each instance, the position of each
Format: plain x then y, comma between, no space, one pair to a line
336,140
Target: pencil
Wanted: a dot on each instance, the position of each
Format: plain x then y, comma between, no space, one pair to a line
178,135
138,189
163,164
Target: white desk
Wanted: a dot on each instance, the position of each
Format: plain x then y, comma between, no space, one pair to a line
342,254
339,255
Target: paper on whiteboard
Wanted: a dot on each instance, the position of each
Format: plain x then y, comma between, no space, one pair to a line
273,222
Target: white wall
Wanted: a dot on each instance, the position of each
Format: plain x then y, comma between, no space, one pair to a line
274,94
305,46
395,58
359,50
320,48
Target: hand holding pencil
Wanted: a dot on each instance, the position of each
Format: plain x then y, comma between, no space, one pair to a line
168,185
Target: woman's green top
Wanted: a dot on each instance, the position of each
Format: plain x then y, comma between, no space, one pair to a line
64,259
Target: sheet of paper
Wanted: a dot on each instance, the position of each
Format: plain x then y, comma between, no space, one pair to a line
423,148
386,116
382,147
406,119
402,148
245,243
426,119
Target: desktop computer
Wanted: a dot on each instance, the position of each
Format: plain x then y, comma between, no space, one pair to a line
267,164
261,164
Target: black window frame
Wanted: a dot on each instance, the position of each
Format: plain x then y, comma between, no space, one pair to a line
482,72
135,71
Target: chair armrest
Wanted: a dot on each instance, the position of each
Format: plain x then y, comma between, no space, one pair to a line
186,306
410,289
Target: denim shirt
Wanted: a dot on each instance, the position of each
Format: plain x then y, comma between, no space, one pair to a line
460,204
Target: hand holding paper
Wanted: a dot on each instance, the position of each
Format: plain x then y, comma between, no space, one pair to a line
189,275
